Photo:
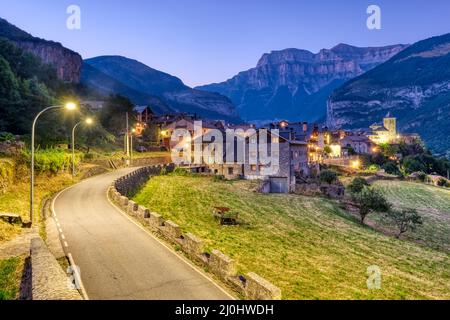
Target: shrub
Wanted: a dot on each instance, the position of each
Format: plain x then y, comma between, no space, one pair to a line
357,185
51,160
6,136
442,182
180,172
422,176
328,176
391,168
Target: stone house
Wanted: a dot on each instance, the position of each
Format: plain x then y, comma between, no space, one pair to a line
293,160
360,143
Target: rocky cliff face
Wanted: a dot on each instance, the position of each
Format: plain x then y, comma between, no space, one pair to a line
295,84
66,62
414,86
143,82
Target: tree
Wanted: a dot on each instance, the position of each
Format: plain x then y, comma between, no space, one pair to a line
357,185
328,176
405,220
411,164
391,168
112,116
370,200
327,150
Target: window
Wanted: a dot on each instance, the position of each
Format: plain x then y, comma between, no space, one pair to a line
230,170
253,167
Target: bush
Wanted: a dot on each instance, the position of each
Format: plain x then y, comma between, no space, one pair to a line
328,176
180,172
357,185
6,136
422,176
51,160
442,182
391,168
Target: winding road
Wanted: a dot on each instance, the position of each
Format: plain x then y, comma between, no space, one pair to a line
117,258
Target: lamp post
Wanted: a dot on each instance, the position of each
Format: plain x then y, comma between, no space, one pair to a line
131,145
68,106
88,121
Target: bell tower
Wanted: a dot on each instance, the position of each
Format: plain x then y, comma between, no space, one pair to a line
390,123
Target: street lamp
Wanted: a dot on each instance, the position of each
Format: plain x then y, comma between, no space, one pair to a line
69,106
88,121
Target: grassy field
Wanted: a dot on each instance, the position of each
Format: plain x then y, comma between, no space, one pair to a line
10,277
431,202
306,246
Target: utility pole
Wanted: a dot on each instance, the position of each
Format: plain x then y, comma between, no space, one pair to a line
127,137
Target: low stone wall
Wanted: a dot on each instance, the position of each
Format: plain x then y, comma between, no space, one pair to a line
251,286
49,281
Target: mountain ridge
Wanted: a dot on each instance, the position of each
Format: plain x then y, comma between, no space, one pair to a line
288,83
167,89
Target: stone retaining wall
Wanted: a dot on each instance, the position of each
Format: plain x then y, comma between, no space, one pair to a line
49,281
251,286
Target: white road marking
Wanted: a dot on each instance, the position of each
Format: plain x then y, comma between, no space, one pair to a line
65,244
62,236
60,230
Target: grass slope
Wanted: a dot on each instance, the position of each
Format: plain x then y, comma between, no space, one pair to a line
304,245
431,202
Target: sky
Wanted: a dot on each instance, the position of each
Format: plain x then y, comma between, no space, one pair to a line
206,41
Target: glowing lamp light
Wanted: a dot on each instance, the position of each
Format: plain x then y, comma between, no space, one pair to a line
70,106
355,164
89,121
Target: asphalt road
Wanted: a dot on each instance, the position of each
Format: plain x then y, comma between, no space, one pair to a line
117,259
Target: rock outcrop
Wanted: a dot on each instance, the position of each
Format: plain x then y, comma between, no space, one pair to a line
295,84
414,86
66,62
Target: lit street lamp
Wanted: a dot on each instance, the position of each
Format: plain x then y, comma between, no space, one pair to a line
88,121
68,106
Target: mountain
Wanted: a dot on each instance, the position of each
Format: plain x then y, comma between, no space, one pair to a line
66,62
295,84
414,86
107,85
145,85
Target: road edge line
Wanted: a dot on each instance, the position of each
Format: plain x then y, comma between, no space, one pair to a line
68,254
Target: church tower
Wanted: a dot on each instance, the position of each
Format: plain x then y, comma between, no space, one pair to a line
390,123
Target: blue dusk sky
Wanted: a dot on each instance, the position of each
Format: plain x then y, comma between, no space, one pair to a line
205,41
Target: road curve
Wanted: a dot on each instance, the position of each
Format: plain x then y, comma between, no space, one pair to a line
117,259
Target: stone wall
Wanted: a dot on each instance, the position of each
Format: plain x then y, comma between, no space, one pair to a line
251,286
49,281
